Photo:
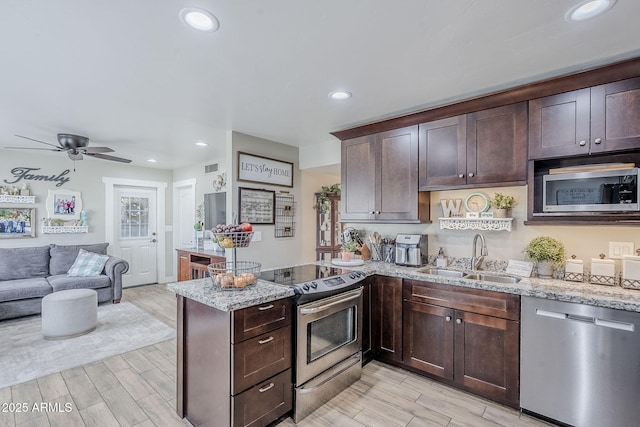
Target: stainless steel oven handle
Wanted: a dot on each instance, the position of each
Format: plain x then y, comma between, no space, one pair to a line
324,307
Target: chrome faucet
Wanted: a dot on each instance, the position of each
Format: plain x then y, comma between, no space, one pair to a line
476,261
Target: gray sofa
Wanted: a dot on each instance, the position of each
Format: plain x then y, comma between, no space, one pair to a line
28,274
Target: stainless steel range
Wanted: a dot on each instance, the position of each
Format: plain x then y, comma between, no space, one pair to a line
328,331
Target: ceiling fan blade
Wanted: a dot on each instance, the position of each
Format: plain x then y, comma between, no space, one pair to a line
41,142
106,157
32,148
74,156
94,150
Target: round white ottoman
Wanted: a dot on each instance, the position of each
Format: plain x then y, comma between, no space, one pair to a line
69,313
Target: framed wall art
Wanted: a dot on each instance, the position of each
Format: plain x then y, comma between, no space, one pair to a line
17,222
64,204
253,168
257,206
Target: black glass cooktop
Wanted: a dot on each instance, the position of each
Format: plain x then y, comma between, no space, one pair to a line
302,273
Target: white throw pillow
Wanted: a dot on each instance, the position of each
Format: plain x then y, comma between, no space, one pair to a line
87,264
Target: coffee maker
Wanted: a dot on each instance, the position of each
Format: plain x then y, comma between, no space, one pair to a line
411,249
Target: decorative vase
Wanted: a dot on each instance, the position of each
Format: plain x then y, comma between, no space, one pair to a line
545,269
501,213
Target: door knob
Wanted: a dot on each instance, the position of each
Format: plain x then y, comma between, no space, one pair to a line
448,318
461,175
471,174
153,240
458,321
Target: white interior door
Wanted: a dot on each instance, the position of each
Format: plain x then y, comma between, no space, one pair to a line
136,234
184,211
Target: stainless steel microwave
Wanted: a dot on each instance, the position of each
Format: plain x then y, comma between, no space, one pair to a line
592,191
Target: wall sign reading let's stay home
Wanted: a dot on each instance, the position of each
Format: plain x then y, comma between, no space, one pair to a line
264,170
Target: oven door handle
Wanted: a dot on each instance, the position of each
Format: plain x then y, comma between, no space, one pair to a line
352,296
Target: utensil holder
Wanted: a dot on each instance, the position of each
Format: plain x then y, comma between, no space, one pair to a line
376,252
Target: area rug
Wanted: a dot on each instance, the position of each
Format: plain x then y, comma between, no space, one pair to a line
121,328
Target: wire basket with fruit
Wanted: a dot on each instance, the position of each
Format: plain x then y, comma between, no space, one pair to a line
234,276
233,236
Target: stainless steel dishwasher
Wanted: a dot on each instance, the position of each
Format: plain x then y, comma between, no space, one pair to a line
580,364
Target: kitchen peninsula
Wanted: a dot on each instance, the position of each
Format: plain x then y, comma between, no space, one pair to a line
217,329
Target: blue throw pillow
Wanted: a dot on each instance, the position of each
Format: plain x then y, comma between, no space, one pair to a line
87,264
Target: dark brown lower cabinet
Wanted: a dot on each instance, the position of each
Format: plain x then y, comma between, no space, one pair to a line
469,338
234,368
386,318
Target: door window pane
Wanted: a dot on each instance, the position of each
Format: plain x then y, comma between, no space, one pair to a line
134,216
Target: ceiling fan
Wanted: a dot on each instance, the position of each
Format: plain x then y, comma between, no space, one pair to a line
76,147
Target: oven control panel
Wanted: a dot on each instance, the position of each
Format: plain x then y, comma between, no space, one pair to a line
331,284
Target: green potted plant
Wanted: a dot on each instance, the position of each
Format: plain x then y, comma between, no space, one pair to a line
348,249
547,252
322,200
502,203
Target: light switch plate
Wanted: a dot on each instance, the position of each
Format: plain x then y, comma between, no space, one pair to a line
257,236
617,249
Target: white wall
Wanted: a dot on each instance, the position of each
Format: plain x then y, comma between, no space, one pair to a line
87,179
271,251
585,241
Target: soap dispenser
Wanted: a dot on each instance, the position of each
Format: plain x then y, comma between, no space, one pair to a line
441,259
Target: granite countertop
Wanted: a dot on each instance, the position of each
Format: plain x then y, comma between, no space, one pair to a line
614,297
203,291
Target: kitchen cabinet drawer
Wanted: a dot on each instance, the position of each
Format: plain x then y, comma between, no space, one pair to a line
259,358
497,304
256,320
263,403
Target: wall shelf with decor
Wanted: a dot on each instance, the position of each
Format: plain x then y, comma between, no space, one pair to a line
6,198
64,229
483,224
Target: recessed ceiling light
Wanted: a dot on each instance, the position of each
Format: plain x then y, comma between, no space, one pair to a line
339,95
201,144
199,19
589,9
152,161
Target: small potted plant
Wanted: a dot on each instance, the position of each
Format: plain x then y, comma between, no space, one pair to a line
322,200
547,252
348,249
502,203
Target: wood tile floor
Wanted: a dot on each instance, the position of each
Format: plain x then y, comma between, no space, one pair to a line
138,389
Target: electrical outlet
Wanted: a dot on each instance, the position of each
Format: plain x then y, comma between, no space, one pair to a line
617,249
257,236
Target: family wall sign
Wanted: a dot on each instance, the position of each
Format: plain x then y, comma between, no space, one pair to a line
21,173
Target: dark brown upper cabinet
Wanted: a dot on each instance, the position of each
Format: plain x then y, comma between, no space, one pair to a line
380,178
604,118
480,148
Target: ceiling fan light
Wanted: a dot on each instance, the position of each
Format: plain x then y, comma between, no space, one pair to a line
199,19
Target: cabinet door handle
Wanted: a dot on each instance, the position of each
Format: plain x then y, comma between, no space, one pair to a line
583,143
461,175
448,318
471,174
263,389
265,341
598,140
266,307
458,321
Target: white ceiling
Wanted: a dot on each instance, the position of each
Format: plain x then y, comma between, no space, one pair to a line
129,75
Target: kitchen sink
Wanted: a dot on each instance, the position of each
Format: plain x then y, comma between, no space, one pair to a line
442,272
492,278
